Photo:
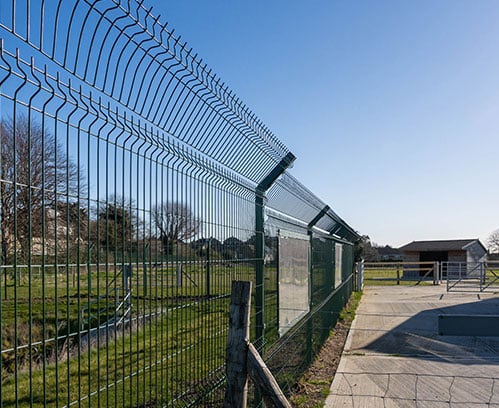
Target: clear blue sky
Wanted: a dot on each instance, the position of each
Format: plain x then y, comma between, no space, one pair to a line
391,107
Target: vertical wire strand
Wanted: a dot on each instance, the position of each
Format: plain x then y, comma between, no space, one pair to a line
3,261
44,230
125,327
29,187
63,208
14,149
78,257
92,235
107,272
56,247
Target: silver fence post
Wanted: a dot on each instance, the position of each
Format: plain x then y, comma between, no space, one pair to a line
179,275
482,276
127,278
448,274
360,275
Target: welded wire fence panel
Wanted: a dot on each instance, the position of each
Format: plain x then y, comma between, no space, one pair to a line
290,356
330,283
130,182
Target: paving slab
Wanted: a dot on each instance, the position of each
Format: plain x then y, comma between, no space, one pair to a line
395,357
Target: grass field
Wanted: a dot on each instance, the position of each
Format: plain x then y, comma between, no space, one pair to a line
398,274
174,350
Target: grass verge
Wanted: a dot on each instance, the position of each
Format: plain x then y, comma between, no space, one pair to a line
313,387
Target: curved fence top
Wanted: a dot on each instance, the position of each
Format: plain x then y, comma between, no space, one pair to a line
123,53
288,196
120,72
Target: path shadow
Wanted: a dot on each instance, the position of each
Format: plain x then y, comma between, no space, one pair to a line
419,337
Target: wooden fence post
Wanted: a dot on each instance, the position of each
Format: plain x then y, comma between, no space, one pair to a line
237,345
243,359
262,377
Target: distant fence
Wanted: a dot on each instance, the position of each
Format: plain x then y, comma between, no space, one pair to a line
458,276
134,187
414,273
464,276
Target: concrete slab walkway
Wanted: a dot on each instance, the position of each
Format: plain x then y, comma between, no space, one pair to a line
395,357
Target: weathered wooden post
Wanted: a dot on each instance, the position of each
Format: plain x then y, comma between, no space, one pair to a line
237,345
265,381
243,359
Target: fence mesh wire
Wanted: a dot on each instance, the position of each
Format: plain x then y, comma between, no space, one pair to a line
128,177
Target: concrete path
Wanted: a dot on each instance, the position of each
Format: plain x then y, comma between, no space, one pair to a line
395,357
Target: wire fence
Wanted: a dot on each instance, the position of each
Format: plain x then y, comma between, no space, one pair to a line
134,187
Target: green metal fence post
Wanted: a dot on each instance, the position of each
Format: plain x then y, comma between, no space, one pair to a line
310,325
259,269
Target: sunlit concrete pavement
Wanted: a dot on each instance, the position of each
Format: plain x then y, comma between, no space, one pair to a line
395,357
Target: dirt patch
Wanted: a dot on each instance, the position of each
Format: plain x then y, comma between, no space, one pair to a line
313,388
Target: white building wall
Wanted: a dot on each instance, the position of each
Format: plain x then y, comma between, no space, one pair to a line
475,252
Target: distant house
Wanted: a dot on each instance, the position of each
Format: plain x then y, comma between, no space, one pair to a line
64,230
387,254
455,250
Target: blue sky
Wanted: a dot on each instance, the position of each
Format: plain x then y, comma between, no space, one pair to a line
391,107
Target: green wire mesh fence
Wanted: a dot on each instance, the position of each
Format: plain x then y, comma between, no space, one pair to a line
134,187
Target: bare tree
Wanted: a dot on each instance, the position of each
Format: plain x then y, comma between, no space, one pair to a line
365,249
493,241
35,176
175,223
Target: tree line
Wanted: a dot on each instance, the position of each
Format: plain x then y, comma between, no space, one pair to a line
41,216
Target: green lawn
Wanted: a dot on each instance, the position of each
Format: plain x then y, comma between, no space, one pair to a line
171,354
391,275
175,345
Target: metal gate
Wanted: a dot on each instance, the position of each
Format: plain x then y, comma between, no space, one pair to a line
471,276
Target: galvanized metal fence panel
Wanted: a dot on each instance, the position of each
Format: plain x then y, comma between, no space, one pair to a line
470,276
133,189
